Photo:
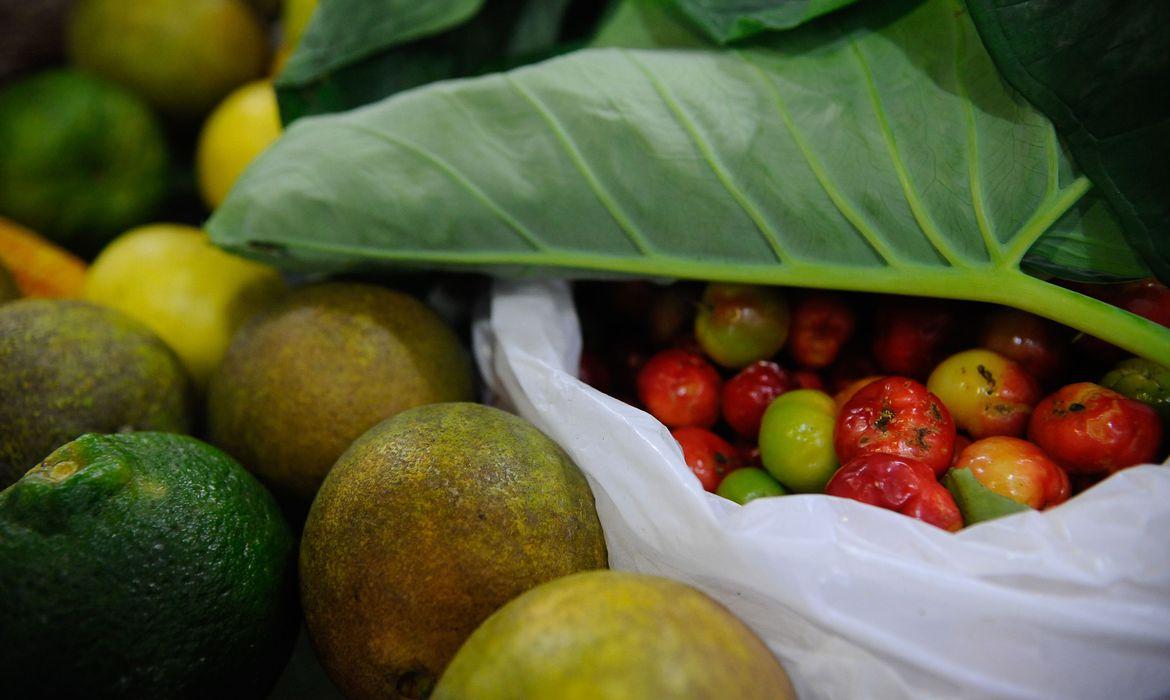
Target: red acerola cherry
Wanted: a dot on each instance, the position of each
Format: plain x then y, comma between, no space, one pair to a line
709,456
680,389
896,483
746,395
899,416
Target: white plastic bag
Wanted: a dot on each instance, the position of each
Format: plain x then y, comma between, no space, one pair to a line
856,601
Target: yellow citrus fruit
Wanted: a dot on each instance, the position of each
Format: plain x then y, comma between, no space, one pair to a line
294,19
189,292
236,132
182,56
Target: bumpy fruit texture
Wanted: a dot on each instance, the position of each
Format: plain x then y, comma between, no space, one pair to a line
746,396
896,416
680,388
608,635
68,367
709,456
900,484
429,523
738,324
1088,429
308,376
1016,469
143,565
986,393
796,440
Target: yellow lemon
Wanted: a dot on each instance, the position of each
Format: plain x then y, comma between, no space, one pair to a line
189,292
242,126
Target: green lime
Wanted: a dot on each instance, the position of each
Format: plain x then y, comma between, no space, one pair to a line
80,159
748,484
144,565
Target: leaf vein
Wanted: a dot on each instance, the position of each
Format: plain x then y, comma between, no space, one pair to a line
921,215
741,198
844,207
974,169
460,180
574,154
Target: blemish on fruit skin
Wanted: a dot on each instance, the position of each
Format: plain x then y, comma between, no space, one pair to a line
987,377
62,470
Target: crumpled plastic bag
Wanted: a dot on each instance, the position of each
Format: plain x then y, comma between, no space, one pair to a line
856,601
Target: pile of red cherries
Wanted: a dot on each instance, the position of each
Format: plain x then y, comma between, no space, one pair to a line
949,412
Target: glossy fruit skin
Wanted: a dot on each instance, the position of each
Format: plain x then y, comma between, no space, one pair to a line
746,395
747,484
1144,381
1088,429
680,389
709,456
897,483
910,334
842,397
821,324
738,324
962,442
238,130
796,440
898,416
986,393
1034,342
1016,469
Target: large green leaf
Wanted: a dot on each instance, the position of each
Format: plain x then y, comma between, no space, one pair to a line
878,153
401,45
730,20
1100,69
343,32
